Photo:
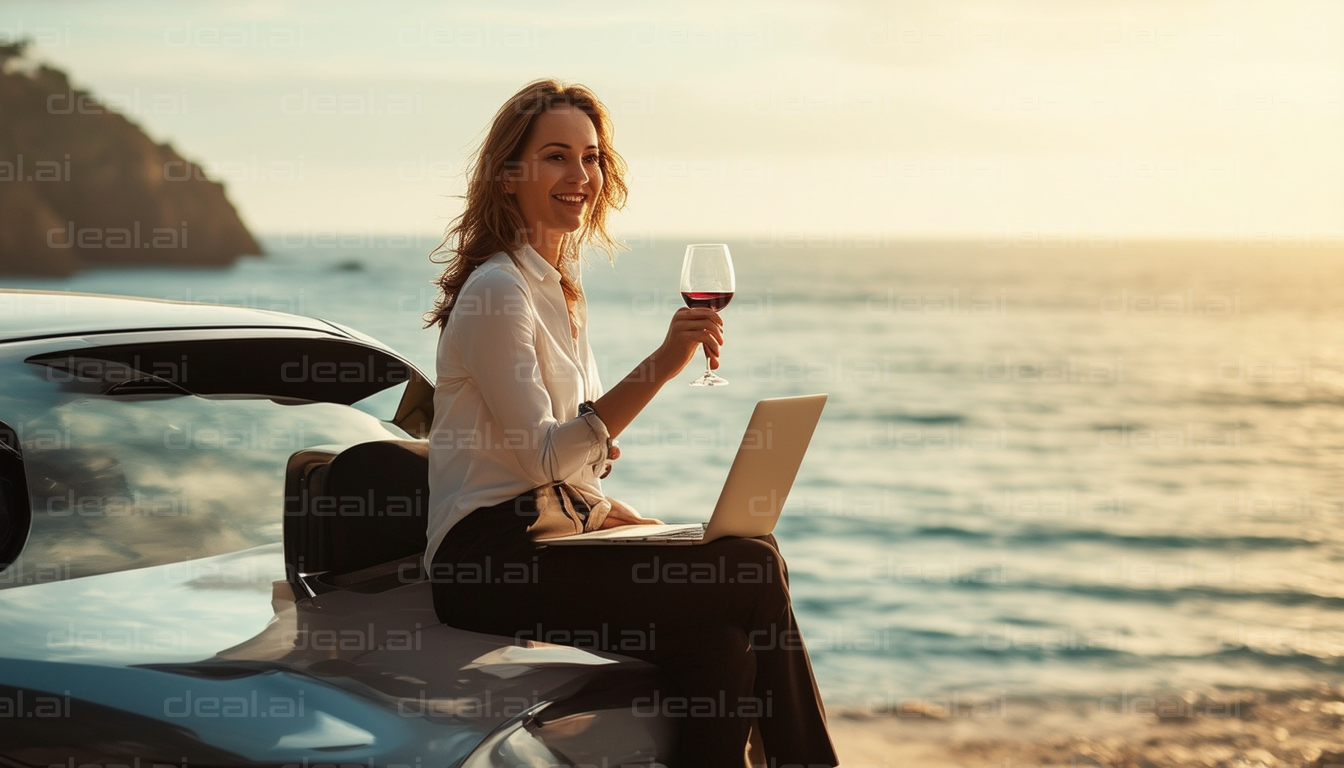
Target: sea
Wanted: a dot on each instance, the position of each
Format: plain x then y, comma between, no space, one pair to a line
1045,468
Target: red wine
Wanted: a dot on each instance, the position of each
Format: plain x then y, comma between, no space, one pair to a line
715,300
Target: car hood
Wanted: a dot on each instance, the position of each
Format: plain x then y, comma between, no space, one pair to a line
213,661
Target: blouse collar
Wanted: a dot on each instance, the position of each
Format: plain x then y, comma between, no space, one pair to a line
540,270
535,264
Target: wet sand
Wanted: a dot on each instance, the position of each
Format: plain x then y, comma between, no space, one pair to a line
1243,728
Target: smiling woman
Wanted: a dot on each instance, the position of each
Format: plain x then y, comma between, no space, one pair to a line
522,435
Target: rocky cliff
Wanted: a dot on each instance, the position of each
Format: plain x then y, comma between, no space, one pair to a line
82,186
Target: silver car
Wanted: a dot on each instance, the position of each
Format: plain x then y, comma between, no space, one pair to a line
211,529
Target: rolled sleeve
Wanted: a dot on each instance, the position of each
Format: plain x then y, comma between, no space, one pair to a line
597,457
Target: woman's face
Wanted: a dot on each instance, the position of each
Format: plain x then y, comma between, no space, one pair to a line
559,179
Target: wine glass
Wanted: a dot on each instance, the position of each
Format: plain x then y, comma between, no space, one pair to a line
707,281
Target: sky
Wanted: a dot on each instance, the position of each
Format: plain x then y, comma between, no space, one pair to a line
838,121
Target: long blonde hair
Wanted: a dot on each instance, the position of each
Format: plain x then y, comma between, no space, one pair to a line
492,221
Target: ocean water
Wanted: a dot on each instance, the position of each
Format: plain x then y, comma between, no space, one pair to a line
1040,472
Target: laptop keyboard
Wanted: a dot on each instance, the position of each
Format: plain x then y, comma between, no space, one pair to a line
689,533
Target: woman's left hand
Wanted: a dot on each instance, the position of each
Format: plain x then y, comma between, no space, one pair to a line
613,454
624,514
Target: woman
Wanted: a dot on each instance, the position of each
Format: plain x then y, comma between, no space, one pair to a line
518,407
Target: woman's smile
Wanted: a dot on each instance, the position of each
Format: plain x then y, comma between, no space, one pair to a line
574,201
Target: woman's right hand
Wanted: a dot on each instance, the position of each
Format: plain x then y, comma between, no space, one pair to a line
688,331
690,328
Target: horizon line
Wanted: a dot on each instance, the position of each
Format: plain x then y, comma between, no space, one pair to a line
1042,239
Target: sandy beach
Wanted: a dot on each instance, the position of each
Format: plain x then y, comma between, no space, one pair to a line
1213,728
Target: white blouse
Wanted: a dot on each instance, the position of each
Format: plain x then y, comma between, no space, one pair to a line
510,378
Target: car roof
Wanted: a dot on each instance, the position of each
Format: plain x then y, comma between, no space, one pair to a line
26,315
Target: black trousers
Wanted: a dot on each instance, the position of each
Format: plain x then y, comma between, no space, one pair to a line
716,617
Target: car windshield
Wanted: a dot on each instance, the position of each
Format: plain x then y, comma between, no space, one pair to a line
128,480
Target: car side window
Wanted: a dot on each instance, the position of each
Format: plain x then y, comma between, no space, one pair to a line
119,481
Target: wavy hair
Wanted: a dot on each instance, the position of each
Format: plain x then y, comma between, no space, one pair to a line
492,221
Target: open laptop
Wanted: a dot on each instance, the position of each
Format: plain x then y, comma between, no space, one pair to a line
753,496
